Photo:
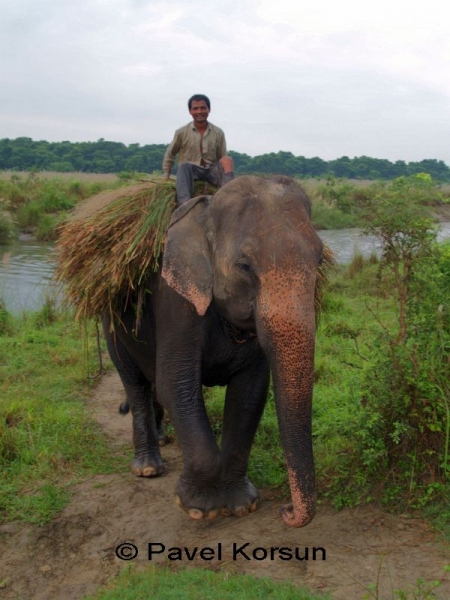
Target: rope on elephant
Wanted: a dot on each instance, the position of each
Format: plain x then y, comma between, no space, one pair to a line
110,243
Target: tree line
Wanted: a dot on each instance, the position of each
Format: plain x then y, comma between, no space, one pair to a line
102,156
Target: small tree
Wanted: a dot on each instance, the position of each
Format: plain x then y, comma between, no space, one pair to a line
396,214
406,430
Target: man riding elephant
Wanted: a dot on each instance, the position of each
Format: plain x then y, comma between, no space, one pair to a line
201,150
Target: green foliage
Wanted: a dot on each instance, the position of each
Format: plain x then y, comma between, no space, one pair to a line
341,194
39,204
8,230
47,439
325,216
197,584
395,445
412,392
47,226
339,203
6,319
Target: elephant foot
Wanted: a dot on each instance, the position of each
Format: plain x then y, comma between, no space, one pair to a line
199,506
145,467
240,500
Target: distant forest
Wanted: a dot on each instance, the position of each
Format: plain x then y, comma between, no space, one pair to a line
25,154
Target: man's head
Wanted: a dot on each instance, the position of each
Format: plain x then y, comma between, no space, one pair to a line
199,107
199,98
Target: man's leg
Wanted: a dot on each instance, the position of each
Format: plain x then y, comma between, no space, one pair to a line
187,173
221,172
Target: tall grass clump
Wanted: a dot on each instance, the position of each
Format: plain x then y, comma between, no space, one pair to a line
339,203
6,319
336,204
37,204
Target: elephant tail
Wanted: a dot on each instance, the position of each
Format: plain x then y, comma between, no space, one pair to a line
327,261
124,408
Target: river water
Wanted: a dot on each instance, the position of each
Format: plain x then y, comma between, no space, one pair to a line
26,267
26,270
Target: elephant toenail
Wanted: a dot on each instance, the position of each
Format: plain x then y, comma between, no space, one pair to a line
254,505
195,513
226,512
178,501
149,472
241,511
212,515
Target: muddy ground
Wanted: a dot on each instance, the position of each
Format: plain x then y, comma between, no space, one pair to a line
75,553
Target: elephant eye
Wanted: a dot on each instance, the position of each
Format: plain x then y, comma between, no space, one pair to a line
243,265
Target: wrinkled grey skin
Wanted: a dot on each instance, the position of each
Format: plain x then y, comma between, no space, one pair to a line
234,301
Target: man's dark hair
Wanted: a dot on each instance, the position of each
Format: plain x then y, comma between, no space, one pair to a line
199,98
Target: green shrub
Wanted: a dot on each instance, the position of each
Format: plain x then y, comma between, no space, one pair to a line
403,435
28,215
7,228
30,197
47,226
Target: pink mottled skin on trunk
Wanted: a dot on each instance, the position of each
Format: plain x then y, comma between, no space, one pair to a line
287,323
301,512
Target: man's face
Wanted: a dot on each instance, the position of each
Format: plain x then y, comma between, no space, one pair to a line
199,111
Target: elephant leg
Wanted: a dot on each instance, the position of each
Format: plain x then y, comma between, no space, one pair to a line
198,491
147,460
159,415
179,389
140,397
244,404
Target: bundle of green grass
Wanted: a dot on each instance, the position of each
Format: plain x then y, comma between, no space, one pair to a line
110,243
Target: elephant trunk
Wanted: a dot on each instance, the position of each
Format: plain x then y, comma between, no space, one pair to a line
286,329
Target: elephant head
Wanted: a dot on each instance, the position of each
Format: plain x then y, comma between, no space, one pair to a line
251,249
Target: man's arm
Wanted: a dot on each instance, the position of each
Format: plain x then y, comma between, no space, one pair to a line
169,156
222,146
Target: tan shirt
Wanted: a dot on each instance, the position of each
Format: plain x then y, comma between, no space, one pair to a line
189,145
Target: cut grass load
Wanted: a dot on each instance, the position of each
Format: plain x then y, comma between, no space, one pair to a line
110,244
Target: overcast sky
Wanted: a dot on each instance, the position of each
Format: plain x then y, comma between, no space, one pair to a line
325,78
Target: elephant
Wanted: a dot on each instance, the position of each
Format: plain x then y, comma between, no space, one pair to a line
232,302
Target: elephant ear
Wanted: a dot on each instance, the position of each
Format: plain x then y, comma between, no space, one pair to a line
187,266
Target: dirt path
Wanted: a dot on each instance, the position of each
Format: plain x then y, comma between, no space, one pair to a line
75,553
